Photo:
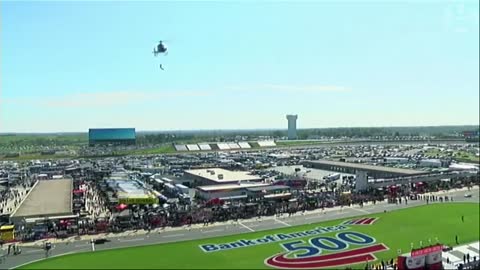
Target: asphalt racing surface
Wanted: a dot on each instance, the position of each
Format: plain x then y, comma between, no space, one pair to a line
34,252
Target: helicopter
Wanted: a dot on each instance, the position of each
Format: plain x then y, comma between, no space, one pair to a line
161,48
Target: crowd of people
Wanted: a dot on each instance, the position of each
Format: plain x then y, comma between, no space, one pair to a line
468,262
95,203
180,213
107,217
12,195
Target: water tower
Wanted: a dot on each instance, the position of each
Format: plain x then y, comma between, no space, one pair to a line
292,126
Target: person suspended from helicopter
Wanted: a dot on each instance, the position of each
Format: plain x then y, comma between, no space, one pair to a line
160,49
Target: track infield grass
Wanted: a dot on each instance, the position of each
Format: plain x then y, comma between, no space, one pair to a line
396,230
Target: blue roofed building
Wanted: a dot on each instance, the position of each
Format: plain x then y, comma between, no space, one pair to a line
111,136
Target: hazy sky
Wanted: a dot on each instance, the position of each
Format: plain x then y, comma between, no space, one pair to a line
69,66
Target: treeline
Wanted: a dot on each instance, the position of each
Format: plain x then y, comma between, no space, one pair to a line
149,138
162,138
440,132
437,131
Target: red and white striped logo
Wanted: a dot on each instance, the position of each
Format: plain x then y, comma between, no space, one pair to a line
360,221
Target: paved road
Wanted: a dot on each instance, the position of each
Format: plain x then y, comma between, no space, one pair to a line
33,252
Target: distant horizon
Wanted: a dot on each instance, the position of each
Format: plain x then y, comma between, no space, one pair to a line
243,130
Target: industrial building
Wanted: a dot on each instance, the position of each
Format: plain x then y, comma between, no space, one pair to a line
236,191
48,199
272,192
353,168
433,163
292,126
117,136
363,182
464,167
243,191
218,176
396,160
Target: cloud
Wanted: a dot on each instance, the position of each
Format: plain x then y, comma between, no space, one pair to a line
291,88
103,99
109,99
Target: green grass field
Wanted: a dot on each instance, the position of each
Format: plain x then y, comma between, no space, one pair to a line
461,156
464,156
44,139
166,149
302,143
396,229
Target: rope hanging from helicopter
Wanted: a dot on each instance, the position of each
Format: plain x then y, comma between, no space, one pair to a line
160,49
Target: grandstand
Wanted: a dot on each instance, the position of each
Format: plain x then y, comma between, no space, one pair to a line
266,143
244,145
233,146
204,146
192,147
98,136
223,146
180,147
